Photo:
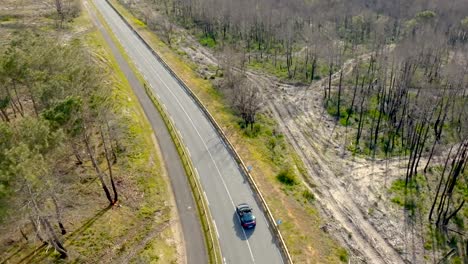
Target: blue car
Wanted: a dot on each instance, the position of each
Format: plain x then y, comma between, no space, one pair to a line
247,219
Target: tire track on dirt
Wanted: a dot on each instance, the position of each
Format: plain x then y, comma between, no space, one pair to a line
332,196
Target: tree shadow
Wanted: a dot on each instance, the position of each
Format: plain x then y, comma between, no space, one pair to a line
243,234
34,256
20,248
73,235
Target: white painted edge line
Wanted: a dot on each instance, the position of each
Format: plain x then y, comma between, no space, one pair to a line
206,198
216,228
196,172
180,135
188,151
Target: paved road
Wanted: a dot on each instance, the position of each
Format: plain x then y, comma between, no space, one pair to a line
195,250
219,174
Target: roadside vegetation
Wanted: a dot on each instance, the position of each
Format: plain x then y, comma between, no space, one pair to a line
78,181
391,75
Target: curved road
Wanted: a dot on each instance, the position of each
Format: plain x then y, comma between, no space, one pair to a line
195,250
220,176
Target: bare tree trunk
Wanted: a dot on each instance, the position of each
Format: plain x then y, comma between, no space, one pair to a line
339,96
21,110
60,13
350,111
58,215
42,221
96,168
24,235
312,71
53,238
112,139
109,167
447,219
79,160
14,107
458,164
4,115
36,111
440,184
36,230
330,72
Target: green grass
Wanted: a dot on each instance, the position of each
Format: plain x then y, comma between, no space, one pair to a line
207,41
8,18
309,196
408,196
139,23
343,254
279,71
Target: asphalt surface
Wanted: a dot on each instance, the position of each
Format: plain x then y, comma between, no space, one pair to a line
220,176
195,250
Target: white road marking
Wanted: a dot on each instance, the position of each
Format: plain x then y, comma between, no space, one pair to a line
206,197
216,228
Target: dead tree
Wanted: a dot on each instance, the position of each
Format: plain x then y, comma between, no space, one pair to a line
446,200
96,167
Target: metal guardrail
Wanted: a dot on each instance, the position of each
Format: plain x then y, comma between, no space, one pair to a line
259,197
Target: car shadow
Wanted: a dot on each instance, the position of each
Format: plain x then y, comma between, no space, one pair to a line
243,234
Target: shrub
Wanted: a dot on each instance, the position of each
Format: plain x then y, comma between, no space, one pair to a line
208,41
343,254
251,131
308,195
286,177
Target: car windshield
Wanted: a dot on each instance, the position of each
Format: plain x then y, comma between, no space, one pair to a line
249,217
